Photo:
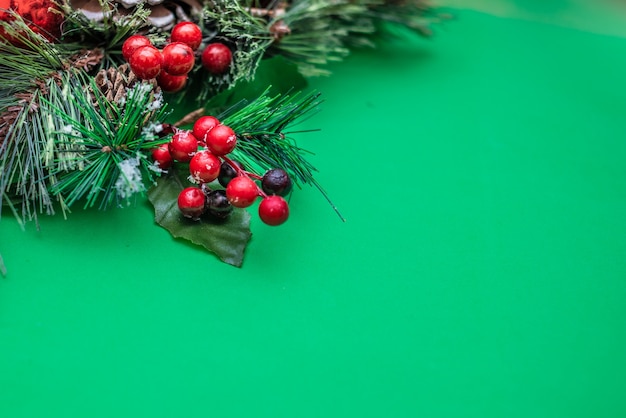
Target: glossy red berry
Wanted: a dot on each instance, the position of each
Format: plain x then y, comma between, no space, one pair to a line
183,146
171,83
273,210
221,140
188,33
203,125
242,192
204,167
216,58
191,202
133,43
146,62
178,58
162,157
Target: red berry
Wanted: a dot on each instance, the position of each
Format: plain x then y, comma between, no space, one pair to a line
166,129
221,140
162,157
203,125
204,167
242,192
178,58
188,33
273,210
146,62
171,83
132,44
183,146
216,58
191,202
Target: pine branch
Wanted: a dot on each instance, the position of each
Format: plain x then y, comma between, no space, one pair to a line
262,138
265,129
230,22
27,72
22,67
416,15
109,33
100,155
22,172
316,32
264,141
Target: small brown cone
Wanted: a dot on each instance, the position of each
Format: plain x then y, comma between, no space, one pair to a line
115,82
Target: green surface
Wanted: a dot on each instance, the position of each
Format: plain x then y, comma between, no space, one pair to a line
481,272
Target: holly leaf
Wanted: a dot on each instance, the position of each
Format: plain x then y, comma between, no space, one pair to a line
226,239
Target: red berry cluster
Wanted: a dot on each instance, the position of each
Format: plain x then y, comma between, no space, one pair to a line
172,64
205,148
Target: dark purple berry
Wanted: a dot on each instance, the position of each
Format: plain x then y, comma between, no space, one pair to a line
276,181
227,173
217,204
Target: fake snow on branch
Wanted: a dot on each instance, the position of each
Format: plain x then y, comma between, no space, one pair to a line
130,180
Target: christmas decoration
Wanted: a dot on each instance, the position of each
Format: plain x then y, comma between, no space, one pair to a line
204,167
93,96
191,202
43,17
276,181
273,210
216,58
188,33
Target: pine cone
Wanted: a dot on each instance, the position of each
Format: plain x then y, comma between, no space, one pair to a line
114,83
164,14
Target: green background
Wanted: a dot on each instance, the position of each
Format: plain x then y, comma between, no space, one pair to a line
481,271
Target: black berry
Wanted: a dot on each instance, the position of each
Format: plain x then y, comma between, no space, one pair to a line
276,181
217,204
228,172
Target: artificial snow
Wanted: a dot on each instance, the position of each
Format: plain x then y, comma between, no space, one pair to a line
129,181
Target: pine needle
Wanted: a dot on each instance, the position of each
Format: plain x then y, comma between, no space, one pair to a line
97,143
262,141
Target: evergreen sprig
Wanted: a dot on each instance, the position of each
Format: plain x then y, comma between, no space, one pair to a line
110,33
52,136
35,60
27,72
265,128
262,139
322,31
248,36
101,153
319,31
310,33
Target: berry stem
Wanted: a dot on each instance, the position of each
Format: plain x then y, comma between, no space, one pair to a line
190,117
254,176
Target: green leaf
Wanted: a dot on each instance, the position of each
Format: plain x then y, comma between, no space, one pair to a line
226,239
